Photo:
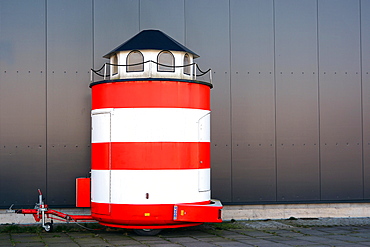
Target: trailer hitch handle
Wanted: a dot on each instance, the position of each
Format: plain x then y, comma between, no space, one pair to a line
10,210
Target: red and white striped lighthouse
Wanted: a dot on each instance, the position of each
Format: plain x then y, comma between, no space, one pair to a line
151,138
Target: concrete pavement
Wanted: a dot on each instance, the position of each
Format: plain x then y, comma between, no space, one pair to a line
311,232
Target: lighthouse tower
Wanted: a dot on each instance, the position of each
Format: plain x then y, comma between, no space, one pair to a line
151,138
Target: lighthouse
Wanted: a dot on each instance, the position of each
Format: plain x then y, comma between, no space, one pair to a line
150,135
150,152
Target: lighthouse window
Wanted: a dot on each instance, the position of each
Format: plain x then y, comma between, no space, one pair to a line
166,62
135,62
186,64
114,67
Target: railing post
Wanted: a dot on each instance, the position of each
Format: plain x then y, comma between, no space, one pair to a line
192,71
91,76
150,68
195,72
105,70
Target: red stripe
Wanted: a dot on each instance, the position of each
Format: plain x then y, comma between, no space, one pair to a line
145,94
150,155
133,214
100,156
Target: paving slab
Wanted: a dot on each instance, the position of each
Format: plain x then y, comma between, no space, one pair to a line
181,239
5,243
166,245
231,244
228,234
366,243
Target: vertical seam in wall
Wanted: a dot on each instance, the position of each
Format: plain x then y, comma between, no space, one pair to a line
93,66
46,98
93,33
139,15
230,109
275,127
318,94
362,106
184,23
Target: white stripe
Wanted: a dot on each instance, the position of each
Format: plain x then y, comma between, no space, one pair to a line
204,180
151,125
100,126
162,186
100,186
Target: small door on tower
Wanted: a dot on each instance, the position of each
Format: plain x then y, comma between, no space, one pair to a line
101,161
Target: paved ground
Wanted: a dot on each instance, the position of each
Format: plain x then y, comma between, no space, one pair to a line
313,232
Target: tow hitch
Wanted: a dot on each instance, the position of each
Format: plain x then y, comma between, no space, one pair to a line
41,212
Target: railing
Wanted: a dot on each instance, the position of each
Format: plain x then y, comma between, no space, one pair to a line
193,74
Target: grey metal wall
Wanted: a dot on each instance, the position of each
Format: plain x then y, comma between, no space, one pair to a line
290,104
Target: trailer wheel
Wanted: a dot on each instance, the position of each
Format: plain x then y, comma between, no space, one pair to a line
147,232
48,227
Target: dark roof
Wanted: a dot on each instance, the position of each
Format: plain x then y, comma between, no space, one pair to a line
151,40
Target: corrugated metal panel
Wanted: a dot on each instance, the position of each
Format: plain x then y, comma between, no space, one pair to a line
297,125
340,100
69,59
365,35
22,102
165,15
325,108
114,23
207,34
253,101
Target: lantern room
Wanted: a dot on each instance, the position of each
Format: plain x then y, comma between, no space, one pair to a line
151,54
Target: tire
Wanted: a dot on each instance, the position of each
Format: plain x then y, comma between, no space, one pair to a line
147,232
48,227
